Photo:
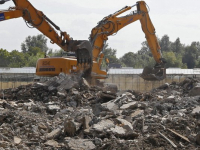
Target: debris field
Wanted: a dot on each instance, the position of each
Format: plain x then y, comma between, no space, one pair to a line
66,113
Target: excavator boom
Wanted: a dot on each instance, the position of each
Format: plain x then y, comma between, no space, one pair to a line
37,19
89,54
111,24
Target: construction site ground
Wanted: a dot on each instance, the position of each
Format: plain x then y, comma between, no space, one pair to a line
66,113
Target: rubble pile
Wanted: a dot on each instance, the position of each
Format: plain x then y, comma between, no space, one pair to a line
65,112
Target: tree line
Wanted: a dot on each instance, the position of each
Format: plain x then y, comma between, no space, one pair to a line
177,54
33,48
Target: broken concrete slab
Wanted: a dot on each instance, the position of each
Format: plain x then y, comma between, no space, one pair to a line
131,105
124,122
80,144
106,125
118,131
111,106
195,91
196,110
53,109
52,143
107,96
103,125
137,113
54,134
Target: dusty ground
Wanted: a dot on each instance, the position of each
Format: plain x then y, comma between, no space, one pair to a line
66,113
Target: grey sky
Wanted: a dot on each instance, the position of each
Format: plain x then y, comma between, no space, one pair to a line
176,18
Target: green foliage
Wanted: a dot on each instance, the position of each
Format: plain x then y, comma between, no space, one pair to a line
35,44
191,56
111,55
177,47
165,44
32,60
175,53
172,60
137,60
57,53
18,59
33,48
128,59
4,58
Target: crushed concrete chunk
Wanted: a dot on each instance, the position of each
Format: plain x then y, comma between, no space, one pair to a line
80,144
130,105
119,131
17,140
196,110
54,134
124,122
195,91
110,106
137,113
103,125
52,143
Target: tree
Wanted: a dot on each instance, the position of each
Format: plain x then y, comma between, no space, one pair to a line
145,49
35,44
172,60
177,47
128,59
4,58
32,60
111,55
191,55
18,59
56,53
165,43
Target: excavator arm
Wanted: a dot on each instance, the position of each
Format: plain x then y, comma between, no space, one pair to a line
37,19
113,23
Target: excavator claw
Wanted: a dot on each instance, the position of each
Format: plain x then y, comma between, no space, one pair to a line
83,51
153,74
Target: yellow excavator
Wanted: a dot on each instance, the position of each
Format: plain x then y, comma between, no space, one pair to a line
88,54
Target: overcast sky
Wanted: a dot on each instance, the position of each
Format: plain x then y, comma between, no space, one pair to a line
176,18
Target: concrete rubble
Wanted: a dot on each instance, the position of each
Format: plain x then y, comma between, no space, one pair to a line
66,113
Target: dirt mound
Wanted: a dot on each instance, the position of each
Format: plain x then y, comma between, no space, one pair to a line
66,113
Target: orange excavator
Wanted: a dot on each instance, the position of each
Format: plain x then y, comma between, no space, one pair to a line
88,54
37,19
111,24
